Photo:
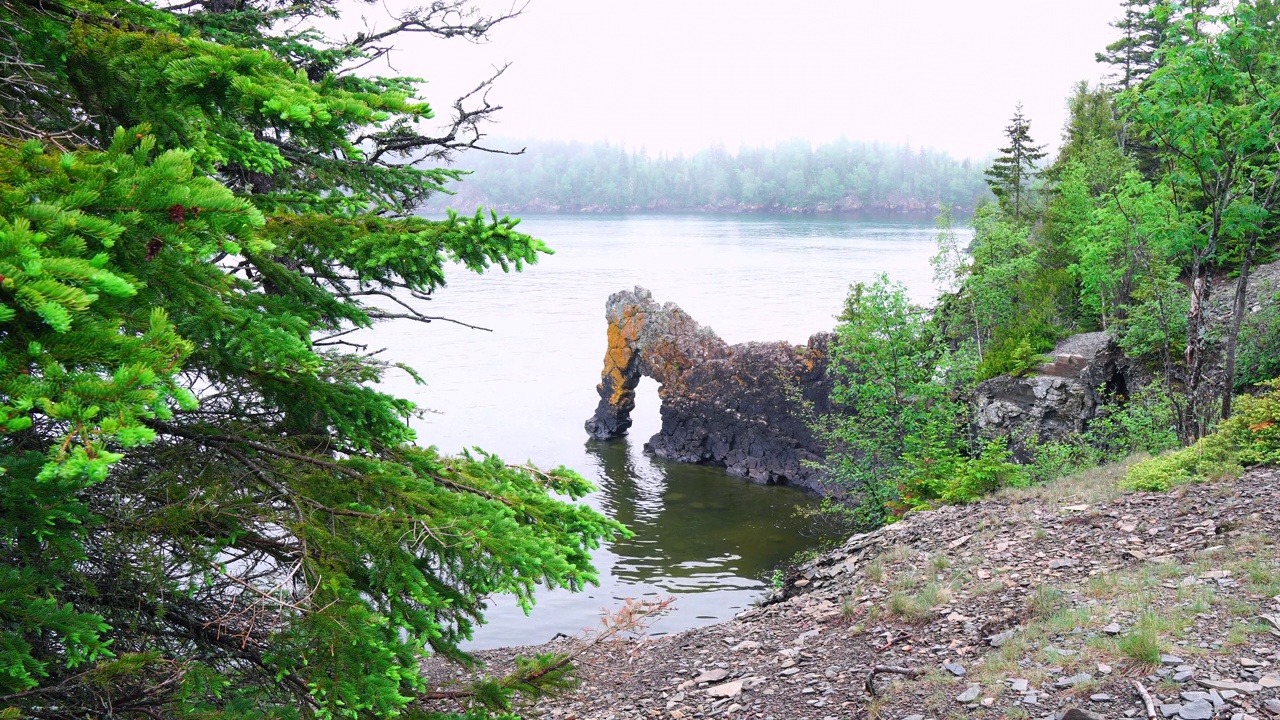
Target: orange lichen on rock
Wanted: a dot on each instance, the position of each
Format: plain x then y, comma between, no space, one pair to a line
622,337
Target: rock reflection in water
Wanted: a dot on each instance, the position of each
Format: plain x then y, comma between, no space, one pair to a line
696,528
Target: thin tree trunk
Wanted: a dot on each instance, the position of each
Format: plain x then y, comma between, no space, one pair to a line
1233,337
1196,325
1193,356
977,329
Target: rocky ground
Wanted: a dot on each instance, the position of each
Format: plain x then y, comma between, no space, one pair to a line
1067,601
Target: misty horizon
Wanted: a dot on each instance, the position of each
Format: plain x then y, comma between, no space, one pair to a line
519,146
677,78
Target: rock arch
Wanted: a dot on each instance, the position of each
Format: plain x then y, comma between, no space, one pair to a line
741,406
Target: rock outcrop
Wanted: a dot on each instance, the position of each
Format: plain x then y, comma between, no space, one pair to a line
741,406
1059,398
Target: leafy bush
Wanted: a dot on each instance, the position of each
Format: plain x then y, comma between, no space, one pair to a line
1017,355
983,475
1250,437
1259,353
1209,458
893,413
1143,422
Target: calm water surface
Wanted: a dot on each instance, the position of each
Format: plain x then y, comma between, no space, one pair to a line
524,390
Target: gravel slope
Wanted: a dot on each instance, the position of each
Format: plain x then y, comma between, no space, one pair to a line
1056,602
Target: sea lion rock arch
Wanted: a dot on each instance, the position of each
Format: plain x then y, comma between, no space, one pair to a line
742,406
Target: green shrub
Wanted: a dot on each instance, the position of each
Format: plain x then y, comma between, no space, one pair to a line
934,473
1259,354
1017,355
1255,427
1143,422
1250,437
983,475
1210,458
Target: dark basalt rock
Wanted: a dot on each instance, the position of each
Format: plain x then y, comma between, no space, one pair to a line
741,406
1084,374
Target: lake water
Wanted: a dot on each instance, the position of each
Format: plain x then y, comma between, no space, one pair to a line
524,390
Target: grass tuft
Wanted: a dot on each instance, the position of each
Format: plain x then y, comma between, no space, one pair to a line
939,562
1045,601
874,571
1142,643
918,607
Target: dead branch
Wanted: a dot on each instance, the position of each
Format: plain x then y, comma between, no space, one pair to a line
870,684
632,616
892,641
462,133
1146,700
444,19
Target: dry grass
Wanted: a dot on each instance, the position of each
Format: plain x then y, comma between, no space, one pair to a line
1091,486
918,607
1045,601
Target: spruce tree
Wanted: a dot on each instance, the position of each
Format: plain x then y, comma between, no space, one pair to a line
1133,56
1010,174
207,509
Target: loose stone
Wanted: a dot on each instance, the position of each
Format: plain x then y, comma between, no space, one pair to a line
1198,710
1000,639
1073,680
711,676
1080,714
727,690
969,695
1244,687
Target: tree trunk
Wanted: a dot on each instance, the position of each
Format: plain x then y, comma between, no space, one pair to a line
1233,336
1193,356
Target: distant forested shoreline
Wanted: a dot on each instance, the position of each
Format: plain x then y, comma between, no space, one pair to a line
791,177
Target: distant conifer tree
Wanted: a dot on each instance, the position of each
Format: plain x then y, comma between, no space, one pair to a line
1010,174
1133,55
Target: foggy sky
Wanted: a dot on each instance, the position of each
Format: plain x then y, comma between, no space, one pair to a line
679,75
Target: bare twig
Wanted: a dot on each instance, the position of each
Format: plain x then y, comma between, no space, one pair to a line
377,315
633,615
892,641
870,684
1146,700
